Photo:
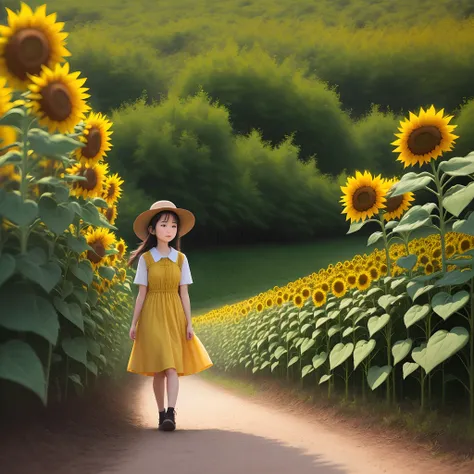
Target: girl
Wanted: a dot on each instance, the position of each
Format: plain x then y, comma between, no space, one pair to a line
164,346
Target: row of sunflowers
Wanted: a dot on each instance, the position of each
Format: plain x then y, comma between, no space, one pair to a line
64,290
401,314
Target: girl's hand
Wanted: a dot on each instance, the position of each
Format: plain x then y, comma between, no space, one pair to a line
189,332
133,331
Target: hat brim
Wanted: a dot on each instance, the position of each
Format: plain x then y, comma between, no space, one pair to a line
186,221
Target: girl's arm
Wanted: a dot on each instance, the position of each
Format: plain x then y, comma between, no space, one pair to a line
139,304
184,294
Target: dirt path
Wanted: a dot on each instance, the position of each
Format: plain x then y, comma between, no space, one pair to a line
219,433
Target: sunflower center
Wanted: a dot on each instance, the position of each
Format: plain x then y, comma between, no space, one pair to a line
363,279
319,296
26,52
56,101
424,140
98,254
111,190
339,287
394,203
364,198
109,213
94,141
91,178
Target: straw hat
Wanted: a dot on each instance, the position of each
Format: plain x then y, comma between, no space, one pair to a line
186,218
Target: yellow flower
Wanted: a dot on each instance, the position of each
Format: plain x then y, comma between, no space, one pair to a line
396,206
319,297
31,40
112,189
259,306
96,138
110,213
363,196
93,185
363,281
339,287
100,240
58,98
424,137
298,300
122,248
5,97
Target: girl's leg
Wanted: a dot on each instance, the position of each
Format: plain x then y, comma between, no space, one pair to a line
172,384
159,389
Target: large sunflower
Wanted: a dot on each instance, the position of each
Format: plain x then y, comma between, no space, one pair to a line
424,137
30,41
110,213
58,98
112,189
96,138
339,287
100,240
5,97
396,206
319,297
94,183
364,196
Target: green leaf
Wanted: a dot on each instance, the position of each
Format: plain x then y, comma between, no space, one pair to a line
386,300
390,225
306,345
83,270
30,313
413,220
376,323
319,359
416,289
99,202
374,238
15,210
76,348
407,262
352,312
20,364
91,215
12,157
7,267
333,330
348,331
376,375
107,272
441,346
264,365
307,369
356,226
465,226
415,313
409,368
458,166
280,350
401,349
293,361
324,378
321,321
457,201
455,277
56,217
78,245
47,275
362,350
92,367
339,354
444,304
345,303
66,289
76,379
13,118
410,182
70,311
372,291
275,365
45,144
396,283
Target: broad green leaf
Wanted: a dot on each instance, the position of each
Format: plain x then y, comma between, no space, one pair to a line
30,313
12,157
407,262
70,311
455,277
401,349
334,330
390,225
99,202
22,213
47,275
19,363
76,348
334,314
83,271
465,226
279,352
293,361
376,375
91,215
316,333
445,304
324,378
362,350
321,321
409,368
348,331
92,367
416,289
412,221
305,327
457,201
319,360
352,312
374,238
274,365
306,345
7,267
93,347
441,346
396,283
339,354
415,313
264,365
45,144
376,323
56,217
373,291
345,303
13,118
386,300
458,166
356,226
410,182
307,369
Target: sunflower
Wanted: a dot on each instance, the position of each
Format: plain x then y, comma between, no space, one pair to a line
8,136
96,138
5,97
94,183
279,300
298,300
464,245
339,287
269,302
325,286
319,297
374,273
122,248
100,240
396,206
110,213
286,296
306,293
58,98
424,137
363,281
30,41
8,175
259,306
429,269
364,196
122,274
112,189
351,280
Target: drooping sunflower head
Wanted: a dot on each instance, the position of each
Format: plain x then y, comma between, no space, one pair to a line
424,137
29,41
110,213
100,240
5,97
58,98
396,206
112,189
96,138
319,297
339,287
93,184
363,196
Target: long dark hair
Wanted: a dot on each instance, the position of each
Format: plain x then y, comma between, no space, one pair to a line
152,240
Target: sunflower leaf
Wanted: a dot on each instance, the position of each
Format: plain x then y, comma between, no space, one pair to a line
12,157
410,182
458,166
51,145
13,118
407,262
374,238
457,201
356,226
465,226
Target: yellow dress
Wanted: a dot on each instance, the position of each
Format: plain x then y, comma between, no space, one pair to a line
160,342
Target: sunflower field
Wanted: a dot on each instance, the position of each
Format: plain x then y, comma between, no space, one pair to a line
399,319
65,295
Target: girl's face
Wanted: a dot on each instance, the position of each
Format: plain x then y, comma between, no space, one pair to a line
166,228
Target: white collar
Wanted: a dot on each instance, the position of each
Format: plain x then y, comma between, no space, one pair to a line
173,255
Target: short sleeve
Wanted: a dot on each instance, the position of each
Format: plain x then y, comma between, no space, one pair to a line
141,277
186,278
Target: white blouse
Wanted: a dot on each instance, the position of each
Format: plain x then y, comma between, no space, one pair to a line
141,277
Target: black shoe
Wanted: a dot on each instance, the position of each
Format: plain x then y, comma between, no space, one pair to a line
169,423
162,418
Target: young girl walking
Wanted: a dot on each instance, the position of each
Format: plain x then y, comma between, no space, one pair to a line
165,346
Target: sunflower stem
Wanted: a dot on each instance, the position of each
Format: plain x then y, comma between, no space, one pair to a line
442,223
24,182
385,239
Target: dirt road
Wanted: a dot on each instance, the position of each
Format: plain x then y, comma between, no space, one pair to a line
218,433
